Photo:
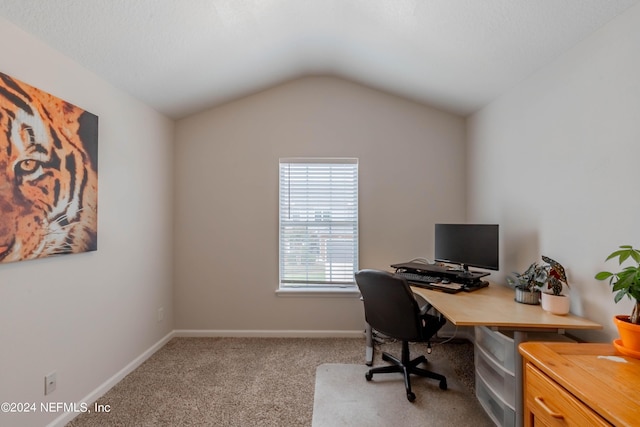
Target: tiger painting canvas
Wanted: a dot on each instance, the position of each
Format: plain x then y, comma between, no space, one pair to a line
48,174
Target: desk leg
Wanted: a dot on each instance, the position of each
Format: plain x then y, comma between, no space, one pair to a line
368,359
518,337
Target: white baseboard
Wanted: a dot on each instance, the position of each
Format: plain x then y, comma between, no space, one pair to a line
107,385
203,333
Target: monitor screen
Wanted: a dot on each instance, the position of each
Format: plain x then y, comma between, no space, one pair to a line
469,245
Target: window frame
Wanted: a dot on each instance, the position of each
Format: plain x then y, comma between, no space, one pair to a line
352,208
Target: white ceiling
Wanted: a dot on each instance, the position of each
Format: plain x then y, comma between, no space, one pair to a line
183,56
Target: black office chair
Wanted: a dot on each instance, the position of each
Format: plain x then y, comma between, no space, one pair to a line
391,309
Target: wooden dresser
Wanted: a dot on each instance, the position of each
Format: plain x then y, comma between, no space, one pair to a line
569,384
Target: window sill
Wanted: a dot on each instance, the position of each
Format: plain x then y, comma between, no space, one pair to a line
346,292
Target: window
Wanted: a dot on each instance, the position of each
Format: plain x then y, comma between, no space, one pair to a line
318,223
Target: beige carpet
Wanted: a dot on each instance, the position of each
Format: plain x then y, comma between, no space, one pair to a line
343,397
262,382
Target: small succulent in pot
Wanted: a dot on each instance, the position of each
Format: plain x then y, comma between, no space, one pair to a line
527,284
532,279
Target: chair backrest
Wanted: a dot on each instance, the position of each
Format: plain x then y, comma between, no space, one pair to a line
389,305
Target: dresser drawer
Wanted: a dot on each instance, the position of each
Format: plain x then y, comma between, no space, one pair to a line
552,405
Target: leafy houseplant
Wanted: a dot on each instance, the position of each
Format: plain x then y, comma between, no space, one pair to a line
528,284
555,284
627,281
557,277
554,302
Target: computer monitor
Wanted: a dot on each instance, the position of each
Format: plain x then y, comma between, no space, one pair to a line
468,245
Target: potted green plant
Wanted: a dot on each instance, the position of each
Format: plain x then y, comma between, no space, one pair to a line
527,285
626,282
552,299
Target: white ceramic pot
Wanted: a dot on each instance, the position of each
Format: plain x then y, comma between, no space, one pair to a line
555,304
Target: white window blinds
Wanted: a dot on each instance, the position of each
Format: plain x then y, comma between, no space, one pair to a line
318,222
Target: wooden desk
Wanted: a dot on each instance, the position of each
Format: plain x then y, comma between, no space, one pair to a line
577,384
495,307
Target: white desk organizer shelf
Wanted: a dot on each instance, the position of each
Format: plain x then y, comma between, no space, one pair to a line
494,353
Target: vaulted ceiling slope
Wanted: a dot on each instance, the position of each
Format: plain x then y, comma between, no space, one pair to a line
183,56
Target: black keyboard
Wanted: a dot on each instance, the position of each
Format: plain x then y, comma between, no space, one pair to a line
452,287
420,278
430,282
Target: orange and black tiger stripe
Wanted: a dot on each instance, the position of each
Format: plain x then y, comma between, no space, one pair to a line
48,174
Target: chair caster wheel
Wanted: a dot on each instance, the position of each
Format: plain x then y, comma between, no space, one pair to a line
443,385
411,396
368,376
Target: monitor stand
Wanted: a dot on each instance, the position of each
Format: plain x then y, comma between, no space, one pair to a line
463,276
462,271
471,280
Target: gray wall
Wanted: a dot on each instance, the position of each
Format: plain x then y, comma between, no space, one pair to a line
411,163
87,316
555,161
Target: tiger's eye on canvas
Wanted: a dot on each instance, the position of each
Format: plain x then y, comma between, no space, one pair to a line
48,174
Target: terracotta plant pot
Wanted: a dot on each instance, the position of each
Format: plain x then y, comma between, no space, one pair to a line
629,332
556,304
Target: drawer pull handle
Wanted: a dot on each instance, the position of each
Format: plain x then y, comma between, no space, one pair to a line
544,406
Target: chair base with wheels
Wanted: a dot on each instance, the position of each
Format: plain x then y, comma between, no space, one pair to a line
406,366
